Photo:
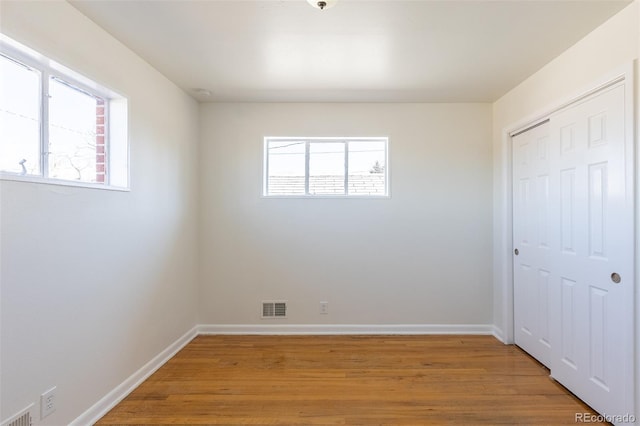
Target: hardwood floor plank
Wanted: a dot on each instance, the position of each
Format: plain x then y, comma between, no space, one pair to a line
348,380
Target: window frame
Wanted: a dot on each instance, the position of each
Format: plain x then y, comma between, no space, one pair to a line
308,141
48,70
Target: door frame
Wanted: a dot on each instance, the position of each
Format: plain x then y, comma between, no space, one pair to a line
503,230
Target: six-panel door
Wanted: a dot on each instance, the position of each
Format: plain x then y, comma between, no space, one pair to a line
573,227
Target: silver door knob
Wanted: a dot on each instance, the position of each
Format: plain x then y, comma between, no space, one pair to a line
516,252
615,277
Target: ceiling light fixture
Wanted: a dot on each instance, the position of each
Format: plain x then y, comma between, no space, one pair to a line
322,4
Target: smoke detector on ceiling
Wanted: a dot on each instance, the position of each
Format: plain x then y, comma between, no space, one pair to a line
202,92
322,4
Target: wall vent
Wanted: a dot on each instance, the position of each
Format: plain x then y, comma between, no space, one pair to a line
23,418
274,309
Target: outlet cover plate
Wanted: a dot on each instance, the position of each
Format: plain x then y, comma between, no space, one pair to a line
48,402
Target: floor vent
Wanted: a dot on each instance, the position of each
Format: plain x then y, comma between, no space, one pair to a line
274,309
23,418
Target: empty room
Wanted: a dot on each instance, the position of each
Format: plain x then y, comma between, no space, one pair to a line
306,212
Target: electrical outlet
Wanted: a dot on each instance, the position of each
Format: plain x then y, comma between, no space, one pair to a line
48,402
324,308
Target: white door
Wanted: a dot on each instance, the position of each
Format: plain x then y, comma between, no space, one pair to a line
573,206
592,296
531,237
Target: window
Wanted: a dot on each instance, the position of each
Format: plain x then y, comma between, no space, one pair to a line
19,118
353,167
57,126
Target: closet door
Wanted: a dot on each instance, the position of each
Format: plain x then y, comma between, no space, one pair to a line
591,314
531,239
573,207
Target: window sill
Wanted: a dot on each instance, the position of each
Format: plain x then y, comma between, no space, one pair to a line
4,176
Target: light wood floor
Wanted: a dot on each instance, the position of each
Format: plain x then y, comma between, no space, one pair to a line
352,380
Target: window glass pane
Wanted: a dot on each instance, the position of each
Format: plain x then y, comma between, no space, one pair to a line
326,168
286,164
367,168
76,134
19,118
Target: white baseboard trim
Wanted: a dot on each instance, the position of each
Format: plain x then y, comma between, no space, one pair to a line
498,334
110,400
311,329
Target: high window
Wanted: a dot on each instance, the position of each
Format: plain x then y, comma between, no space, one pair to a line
57,126
355,167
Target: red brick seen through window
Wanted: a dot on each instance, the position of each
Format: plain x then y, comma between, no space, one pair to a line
100,151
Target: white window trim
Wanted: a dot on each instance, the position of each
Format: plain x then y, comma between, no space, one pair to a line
16,177
308,140
47,69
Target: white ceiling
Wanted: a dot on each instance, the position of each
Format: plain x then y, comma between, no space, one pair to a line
357,51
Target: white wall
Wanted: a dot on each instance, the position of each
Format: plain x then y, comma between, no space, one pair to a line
421,257
612,45
96,283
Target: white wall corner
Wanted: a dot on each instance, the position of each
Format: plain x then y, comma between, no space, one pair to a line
110,400
498,334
